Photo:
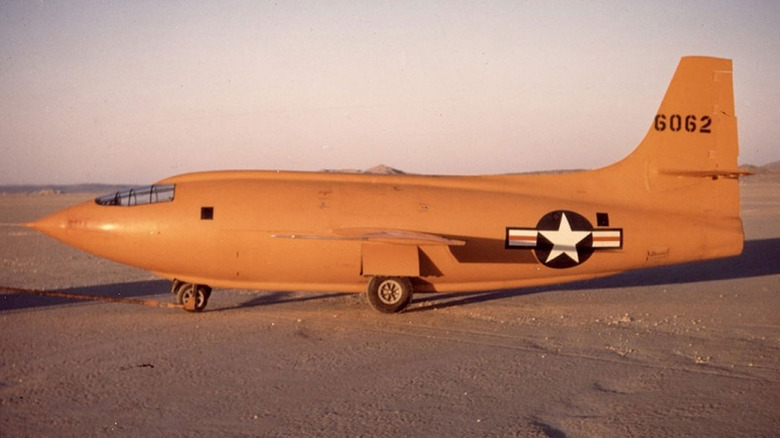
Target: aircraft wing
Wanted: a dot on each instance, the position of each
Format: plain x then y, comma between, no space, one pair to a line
398,237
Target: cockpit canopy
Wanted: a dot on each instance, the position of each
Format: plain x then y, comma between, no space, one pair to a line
139,196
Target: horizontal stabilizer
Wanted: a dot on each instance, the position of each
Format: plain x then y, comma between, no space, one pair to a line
714,174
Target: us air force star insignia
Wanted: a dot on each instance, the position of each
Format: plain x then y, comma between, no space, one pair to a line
563,239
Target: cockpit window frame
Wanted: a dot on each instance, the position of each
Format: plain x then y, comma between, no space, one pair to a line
144,195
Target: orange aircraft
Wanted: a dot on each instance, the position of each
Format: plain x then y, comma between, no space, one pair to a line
674,199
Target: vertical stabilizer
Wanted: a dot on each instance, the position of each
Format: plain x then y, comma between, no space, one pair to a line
693,137
686,166
694,131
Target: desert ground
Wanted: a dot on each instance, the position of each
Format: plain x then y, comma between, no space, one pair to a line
691,350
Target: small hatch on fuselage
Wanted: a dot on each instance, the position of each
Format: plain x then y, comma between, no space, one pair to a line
206,213
602,219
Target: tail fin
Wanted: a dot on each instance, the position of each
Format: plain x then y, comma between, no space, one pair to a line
687,162
694,133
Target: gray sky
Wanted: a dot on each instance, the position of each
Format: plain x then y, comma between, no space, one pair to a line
132,92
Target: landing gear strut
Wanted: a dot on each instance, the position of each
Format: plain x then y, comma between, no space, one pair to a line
389,294
193,297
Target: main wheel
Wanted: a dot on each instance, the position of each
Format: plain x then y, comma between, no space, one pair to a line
193,297
389,294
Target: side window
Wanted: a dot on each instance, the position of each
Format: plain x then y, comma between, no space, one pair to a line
139,196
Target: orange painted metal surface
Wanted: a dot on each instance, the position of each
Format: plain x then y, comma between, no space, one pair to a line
674,199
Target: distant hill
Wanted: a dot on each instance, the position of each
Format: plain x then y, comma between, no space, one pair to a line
384,170
49,189
773,167
380,169
770,168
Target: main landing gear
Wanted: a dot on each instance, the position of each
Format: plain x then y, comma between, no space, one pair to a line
389,294
193,297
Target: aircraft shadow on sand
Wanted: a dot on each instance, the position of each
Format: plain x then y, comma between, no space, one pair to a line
280,297
140,290
134,289
759,258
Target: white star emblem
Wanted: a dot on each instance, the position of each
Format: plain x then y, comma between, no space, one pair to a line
564,240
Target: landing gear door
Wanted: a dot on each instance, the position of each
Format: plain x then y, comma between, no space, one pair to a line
385,259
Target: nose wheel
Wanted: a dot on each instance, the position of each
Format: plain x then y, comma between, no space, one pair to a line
193,297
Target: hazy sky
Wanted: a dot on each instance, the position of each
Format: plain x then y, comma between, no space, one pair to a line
134,91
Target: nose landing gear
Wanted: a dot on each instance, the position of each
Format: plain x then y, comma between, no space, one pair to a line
193,297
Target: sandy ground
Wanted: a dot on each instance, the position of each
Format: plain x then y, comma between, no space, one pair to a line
692,350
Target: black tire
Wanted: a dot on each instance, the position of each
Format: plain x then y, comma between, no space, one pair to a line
389,294
201,293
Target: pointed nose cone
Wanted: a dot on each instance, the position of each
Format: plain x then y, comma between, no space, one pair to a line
91,228
50,225
67,225
55,225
